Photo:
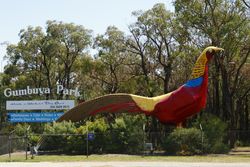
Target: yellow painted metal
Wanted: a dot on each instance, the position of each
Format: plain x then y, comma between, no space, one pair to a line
148,103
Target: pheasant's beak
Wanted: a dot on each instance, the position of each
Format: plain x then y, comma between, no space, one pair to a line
219,51
212,50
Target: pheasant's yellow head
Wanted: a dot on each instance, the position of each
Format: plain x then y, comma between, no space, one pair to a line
210,51
206,55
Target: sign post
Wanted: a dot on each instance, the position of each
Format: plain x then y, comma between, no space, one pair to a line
26,143
89,136
201,138
87,141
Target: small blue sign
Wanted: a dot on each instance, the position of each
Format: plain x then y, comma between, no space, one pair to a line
33,116
91,136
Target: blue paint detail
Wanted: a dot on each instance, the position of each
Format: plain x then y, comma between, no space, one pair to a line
194,82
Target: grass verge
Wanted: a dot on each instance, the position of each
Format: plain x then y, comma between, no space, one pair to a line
108,157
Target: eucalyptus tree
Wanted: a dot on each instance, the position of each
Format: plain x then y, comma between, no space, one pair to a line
25,59
247,3
112,70
154,40
69,42
47,58
225,24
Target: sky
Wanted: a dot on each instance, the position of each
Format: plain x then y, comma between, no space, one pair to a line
96,15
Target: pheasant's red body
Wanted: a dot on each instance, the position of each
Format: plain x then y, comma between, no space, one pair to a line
184,102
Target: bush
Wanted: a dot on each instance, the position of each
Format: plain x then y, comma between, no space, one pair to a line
134,133
21,129
58,139
183,141
215,131
219,148
34,139
119,136
99,127
123,135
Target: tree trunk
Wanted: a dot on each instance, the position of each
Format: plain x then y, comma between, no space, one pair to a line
246,114
228,106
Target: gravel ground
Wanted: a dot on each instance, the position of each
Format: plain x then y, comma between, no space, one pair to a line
121,164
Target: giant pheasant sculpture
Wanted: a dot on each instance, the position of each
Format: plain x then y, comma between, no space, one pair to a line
174,107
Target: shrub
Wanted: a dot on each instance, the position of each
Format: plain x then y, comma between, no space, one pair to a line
134,131
215,131
99,127
34,139
58,139
125,135
122,135
219,148
21,129
184,141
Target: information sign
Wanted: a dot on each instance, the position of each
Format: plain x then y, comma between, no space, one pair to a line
33,116
40,105
91,136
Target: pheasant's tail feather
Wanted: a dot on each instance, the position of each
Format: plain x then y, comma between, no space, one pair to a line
114,103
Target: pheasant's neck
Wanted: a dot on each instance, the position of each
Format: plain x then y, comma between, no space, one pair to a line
198,87
201,80
199,67
204,88
204,84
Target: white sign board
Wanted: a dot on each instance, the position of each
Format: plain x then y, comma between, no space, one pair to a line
40,105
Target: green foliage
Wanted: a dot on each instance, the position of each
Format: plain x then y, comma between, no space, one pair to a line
125,135
219,148
121,136
56,135
135,134
21,129
60,128
99,127
184,141
214,130
33,139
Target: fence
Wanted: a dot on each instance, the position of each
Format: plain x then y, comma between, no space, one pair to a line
91,143
78,144
11,143
4,144
139,143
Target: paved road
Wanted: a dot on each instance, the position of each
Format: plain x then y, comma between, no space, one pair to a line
121,164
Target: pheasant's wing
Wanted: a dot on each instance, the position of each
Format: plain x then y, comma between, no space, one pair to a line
110,103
